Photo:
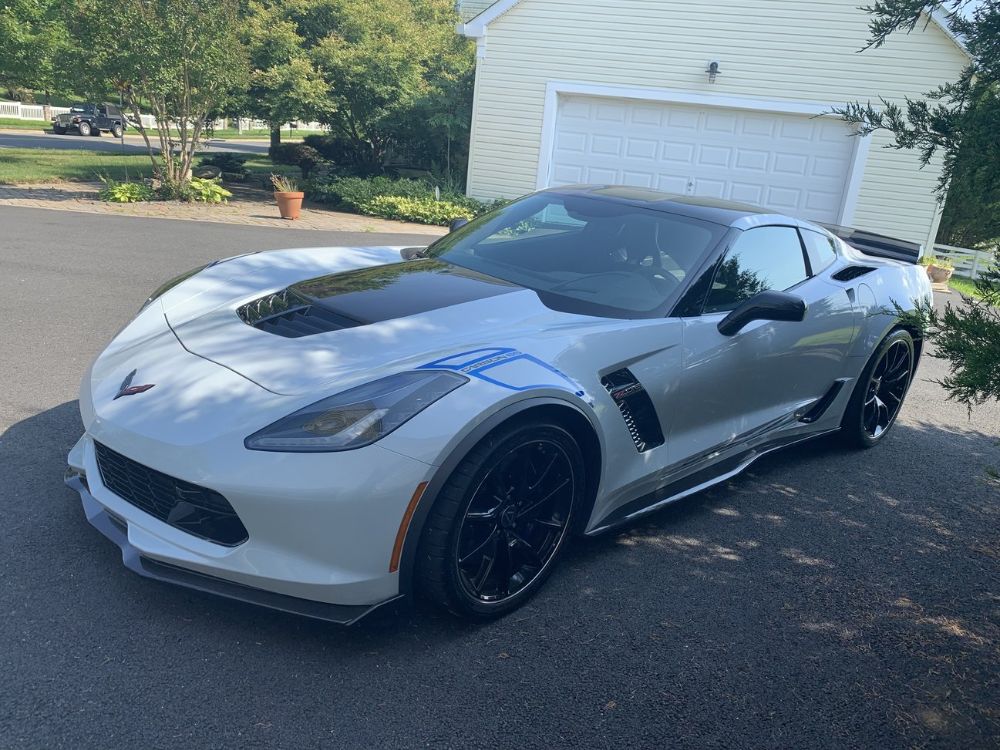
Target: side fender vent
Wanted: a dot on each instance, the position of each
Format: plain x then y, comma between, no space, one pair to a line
852,272
636,407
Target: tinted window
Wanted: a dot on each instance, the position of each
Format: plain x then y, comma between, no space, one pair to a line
585,254
761,259
820,249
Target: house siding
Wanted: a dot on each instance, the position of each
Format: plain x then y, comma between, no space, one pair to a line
783,50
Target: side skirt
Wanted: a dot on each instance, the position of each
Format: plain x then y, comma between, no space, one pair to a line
695,482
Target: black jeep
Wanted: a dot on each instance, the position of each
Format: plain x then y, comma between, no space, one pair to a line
90,119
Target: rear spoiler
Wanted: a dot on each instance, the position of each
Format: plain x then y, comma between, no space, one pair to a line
877,244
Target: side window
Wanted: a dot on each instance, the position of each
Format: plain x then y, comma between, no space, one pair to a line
819,248
761,259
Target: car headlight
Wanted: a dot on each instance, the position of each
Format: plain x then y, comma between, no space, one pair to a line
356,417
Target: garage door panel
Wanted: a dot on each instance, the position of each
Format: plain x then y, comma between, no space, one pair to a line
752,159
641,148
714,156
744,193
789,163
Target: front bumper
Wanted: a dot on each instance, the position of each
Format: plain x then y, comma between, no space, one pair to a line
321,554
117,531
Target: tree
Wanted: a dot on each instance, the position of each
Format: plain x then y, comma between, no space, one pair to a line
180,59
390,66
961,112
31,35
284,83
961,120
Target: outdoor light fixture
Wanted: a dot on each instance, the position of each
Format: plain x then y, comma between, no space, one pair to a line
713,71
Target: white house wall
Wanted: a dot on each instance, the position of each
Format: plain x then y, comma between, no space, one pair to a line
766,49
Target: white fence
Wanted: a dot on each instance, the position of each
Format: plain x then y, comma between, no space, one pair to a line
27,111
968,263
20,111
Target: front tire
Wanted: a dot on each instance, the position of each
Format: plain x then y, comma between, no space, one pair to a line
84,128
501,520
879,392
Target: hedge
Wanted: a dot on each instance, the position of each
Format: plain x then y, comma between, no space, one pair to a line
404,199
419,210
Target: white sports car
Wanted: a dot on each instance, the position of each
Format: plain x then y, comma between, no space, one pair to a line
326,430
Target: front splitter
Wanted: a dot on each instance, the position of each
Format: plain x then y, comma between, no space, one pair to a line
117,532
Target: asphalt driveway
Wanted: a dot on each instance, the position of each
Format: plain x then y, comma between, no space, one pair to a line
827,598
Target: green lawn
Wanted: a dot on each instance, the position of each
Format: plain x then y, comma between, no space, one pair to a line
16,124
964,286
28,165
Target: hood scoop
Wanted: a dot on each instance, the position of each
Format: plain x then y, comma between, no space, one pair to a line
287,313
368,295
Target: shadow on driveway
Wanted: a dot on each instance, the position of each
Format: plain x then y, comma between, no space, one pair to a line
827,597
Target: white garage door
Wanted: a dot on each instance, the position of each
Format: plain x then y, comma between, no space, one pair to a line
792,164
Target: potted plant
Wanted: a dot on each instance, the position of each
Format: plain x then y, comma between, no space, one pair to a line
940,270
288,196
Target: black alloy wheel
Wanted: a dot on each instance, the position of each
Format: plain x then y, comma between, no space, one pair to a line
515,520
879,393
501,520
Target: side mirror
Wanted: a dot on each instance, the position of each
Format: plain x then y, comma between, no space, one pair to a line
457,224
768,305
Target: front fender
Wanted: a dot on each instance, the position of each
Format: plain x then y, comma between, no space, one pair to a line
458,448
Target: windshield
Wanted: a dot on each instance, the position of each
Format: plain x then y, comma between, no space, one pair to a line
585,254
81,108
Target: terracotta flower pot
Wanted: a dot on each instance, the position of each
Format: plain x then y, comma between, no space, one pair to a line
940,275
289,204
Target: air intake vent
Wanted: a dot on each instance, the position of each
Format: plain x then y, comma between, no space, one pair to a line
185,506
636,407
852,272
289,314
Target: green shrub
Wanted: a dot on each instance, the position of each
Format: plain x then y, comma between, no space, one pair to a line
126,192
420,210
231,163
298,155
339,150
353,192
365,195
209,191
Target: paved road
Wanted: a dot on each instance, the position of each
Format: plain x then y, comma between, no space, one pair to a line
133,143
828,598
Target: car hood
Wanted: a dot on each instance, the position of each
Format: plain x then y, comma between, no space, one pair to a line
315,320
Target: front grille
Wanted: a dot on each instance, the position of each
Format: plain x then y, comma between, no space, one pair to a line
289,314
185,506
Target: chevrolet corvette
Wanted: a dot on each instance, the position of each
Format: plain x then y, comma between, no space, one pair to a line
327,430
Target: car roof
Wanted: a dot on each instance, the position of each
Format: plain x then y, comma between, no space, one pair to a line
722,212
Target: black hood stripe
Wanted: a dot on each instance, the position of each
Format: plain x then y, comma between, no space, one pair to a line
369,295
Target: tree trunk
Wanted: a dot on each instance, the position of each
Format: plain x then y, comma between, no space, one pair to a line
275,136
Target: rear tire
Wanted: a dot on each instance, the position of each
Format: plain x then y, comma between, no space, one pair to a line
501,520
879,392
116,130
84,128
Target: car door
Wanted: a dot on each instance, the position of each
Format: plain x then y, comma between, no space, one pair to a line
101,120
734,387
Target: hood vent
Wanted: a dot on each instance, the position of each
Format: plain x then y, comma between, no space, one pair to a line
852,272
636,407
289,314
